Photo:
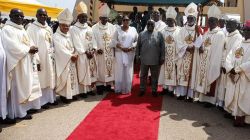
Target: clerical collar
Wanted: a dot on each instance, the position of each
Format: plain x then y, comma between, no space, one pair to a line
170,29
103,27
20,27
80,25
40,25
215,30
190,28
61,33
233,33
246,41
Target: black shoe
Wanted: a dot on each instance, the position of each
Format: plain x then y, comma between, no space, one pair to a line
220,108
27,117
108,88
64,100
75,98
141,93
154,94
8,121
171,93
46,106
164,91
228,116
91,93
84,95
208,105
54,104
99,90
190,100
181,98
32,111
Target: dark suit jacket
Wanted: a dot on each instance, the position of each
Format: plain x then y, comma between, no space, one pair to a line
150,48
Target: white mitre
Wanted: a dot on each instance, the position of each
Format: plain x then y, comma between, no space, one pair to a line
171,13
104,10
191,10
81,8
65,17
214,11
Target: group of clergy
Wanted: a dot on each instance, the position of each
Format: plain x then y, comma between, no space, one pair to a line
211,67
37,64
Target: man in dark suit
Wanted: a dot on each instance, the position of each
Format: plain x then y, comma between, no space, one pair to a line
150,53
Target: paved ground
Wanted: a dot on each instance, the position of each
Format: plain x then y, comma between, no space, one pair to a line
179,120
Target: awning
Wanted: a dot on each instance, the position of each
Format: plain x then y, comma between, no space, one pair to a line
155,2
28,7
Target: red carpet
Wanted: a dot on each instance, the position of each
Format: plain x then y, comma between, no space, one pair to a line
122,117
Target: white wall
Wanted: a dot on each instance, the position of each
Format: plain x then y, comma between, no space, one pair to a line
246,9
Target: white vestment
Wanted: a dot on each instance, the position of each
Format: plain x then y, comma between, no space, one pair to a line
84,41
3,80
124,62
186,40
41,35
105,62
167,75
66,73
209,64
23,82
237,95
159,26
232,40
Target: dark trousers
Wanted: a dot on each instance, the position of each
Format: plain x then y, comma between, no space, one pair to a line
155,70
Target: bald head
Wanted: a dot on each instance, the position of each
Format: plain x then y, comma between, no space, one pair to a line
16,16
231,25
41,10
41,16
150,25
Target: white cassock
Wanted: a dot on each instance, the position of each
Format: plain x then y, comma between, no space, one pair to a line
23,84
232,40
237,96
124,62
105,62
41,35
167,76
66,73
3,80
83,41
209,65
185,40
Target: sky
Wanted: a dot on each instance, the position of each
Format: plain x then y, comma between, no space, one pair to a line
59,3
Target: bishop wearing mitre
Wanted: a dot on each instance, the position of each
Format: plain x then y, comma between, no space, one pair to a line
66,59
103,32
210,59
188,42
170,33
85,47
